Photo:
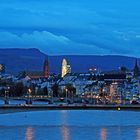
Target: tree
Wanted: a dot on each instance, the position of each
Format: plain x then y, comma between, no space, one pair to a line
55,90
123,69
2,92
70,89
19,89
40,91
45,91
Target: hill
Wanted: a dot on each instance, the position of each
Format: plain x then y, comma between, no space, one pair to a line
84,62
17,60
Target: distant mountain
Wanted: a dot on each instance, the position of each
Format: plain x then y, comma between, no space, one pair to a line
17,60
84,62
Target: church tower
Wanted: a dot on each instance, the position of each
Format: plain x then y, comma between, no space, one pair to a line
66,68
136,69
46,68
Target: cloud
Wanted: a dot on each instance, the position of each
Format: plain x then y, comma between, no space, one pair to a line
47,42
41,40
57,44
72,27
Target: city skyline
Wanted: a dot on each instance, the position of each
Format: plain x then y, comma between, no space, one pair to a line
71,27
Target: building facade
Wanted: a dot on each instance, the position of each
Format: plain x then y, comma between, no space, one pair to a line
65,68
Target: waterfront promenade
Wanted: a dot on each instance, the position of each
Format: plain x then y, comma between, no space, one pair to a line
22,108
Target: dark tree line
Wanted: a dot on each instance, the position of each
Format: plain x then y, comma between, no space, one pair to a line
71,91
14,90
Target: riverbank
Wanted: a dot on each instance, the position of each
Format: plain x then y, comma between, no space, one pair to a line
70,125
22,108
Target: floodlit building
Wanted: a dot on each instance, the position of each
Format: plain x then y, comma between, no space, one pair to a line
44,74
66,68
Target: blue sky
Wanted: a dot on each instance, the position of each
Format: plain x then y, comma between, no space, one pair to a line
72,26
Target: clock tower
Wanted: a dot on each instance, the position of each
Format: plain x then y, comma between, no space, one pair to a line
46,68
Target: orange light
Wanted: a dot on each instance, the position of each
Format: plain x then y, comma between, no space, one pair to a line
29,90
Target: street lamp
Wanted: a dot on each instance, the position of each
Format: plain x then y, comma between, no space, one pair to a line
7,95
7,92
29,96
66,94
29,92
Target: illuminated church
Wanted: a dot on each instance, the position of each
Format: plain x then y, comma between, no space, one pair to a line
65,68
40,74
46,68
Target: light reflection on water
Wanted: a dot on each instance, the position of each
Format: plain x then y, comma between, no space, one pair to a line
65,133
29,133
70,125
68,133
103,133
138,133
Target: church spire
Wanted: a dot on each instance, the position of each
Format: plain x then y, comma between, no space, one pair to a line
136,69
46,67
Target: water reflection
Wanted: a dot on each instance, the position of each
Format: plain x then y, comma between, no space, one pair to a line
64,117
65,133
138,134
29,133
103,134
64,129
71,125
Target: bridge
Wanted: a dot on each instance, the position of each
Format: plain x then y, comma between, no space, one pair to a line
30,99
27,100
50,100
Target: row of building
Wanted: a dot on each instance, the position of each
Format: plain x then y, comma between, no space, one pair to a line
45,73
106,86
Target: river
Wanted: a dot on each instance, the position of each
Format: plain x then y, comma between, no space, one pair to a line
70,125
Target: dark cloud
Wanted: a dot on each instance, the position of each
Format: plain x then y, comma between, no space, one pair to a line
72,27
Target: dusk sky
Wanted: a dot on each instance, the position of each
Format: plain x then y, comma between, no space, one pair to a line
72,26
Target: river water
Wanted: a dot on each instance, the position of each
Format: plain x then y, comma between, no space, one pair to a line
70,125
